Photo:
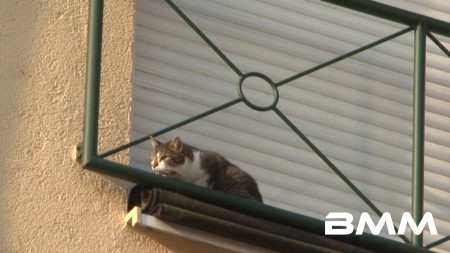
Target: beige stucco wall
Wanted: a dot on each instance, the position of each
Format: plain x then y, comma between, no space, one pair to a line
48,202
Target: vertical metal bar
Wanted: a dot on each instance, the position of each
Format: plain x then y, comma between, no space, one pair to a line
92,90
418,129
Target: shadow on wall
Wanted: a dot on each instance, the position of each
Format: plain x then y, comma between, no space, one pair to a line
42,58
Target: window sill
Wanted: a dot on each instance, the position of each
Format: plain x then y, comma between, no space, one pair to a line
179,215
138,219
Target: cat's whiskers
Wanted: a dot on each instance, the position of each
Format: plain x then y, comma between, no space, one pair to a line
163,169
166,172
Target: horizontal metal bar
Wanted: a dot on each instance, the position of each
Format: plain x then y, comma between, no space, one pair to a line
246,206
201,193
344,56
394,14
172,127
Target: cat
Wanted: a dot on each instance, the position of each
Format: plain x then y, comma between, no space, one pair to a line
205,168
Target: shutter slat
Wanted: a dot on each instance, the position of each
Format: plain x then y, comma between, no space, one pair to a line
357,111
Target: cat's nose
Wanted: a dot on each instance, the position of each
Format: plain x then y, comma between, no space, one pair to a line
158,168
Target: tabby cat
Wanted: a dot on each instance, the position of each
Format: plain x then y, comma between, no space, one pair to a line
205,168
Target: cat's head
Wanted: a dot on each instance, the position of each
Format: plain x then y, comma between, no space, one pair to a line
168,158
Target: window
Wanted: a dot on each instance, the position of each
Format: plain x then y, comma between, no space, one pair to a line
356,113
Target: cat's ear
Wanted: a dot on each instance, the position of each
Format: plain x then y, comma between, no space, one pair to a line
154,142
177,144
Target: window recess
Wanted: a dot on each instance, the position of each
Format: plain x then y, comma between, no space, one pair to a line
317,118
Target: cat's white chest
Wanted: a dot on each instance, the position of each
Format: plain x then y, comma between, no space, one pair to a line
192,171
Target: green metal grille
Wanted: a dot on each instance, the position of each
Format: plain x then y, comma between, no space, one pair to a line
423,26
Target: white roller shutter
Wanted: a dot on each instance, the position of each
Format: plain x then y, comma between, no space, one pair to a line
358,112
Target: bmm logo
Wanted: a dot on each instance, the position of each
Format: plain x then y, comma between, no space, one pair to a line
340,223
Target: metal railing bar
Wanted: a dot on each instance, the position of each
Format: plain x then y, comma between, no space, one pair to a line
205,38
92,90
333,167
395,14
438,242
90,139
344,56
418,129
242,205
171,127
438,43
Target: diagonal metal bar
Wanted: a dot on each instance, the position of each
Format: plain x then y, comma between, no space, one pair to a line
205,38
438,242
333,167
438,43
171,127
344,56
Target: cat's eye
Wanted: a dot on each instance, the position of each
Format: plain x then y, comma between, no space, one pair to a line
179,159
